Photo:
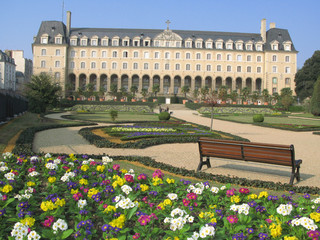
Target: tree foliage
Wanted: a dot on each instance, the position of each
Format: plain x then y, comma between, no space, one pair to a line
42,92
315,100
307,76
286,97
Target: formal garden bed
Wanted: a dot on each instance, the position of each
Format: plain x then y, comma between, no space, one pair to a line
68,196
145,134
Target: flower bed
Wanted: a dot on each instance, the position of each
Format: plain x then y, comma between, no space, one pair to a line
120,108
80,198
236,110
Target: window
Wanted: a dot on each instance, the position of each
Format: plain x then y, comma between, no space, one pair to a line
199,45
208,56
274,69
238,68
229,68
259,59
104,54
249,47
156,66
82,65
135,65
156,55
57,76
167,55
229,57
188,56
103,65
135,54
73,42
93,65
58,40
249,58
274,90
104,42
188,44
249,69
114,65
114,54
287,70
219,45
146,55
287,58
44,40
83,53
178,55
115,42
72,53
72,65
274,80
83,42
167,66
198,67
145,66
57,64
187,67
287,81
274,46
125,43
208,68
156,43
239,58
218,68
124,65
258,69
274,58
43,64
219,57
178,44
167,44
93,54
125,54
259,47
43,52
239,46
287,47
136,43
94,42
209,45
198,56
146,43
229,46
177,66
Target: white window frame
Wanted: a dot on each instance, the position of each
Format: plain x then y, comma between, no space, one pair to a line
57,64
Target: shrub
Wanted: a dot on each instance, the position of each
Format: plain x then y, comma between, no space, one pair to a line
315,100
258,118
164,116
113,114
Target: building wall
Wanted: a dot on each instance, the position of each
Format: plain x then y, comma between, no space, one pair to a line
7,72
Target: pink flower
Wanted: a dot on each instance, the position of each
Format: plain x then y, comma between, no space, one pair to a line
136,236
158,173
192,196
129,178
116,167
153,215
93,163
142,176
48,222
185,202
4,197
232,219
314,234
244,190
268,220
230,192
143,220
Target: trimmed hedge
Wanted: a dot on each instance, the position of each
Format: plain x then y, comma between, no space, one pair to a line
164,116
258,118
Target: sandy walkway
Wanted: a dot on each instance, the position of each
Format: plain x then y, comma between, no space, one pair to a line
307,148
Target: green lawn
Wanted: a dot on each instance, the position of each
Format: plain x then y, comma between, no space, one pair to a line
122,117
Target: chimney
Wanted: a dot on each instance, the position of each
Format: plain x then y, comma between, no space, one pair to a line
272,25
68,23
263,30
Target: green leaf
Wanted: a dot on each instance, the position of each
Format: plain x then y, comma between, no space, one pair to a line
133,210
10,200
123,237
67,233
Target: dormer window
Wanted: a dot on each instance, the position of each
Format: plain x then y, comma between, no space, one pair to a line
249,47
58,40
219,45
94,42
287,46
44,39
274,46
259,47
115,42
209,45
188,44
229,46
199,43
83,42
73,42
156,43
104,42
178,44
239,46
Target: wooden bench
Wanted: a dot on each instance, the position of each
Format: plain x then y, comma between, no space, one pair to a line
249,151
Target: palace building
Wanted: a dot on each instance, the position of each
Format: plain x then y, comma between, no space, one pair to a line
169,58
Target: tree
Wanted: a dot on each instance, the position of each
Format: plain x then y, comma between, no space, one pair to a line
223,93
123,92
211,102
286,97
89,90
265,95
113,90
42,92
155,89
306,77
185,89
315,100
134,90
245,93
204,91
255,95
144,92
113,115
196,93
234,95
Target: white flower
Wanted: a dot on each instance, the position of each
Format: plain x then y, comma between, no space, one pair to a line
60,224
4,168
223,187
207,231
317,200
126,189
33,173
48,155
190,219
172,196
82,203
33,235
51,166
214,190
284,209
106,160
57,161
9,176
7,155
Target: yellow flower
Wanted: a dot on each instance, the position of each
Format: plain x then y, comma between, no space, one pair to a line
290,238
275,230
84,168
60,202
119,182
92,191
169,181
110,209
160,205
167,202
235,198
263,194
252,196
52,179
83,181
315,216
28,221
156,181
7,188
212,206
144,187
206,215
118,222
101,168
30,184
124,171
213,220
74,191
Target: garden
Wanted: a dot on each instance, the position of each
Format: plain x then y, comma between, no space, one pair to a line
78,197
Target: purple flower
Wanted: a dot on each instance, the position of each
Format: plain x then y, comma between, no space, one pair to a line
263,236
306,196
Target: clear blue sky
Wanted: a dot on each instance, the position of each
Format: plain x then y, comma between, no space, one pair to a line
21,19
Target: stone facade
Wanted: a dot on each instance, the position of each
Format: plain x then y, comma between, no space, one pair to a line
7,72
170,58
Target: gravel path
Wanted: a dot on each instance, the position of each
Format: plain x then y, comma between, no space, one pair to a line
186,155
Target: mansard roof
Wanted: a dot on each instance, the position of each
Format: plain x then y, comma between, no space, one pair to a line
53,29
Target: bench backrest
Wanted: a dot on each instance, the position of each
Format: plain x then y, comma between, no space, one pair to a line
247,151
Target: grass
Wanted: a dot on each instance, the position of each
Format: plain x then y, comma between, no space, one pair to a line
122,117
306,115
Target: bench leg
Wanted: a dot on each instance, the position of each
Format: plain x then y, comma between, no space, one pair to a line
298,174
295,174
207,162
